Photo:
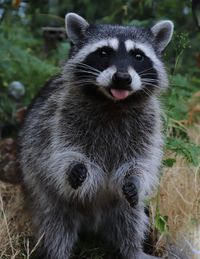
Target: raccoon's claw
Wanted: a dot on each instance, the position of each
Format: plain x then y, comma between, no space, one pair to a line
77,175
131,190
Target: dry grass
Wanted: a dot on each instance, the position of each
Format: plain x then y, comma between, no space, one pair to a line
179,199
14,224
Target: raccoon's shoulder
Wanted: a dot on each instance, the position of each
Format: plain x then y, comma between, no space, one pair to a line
50,88
44,104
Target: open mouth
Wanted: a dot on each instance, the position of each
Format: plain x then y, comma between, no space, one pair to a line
119,94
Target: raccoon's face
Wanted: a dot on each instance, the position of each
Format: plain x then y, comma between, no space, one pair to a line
117,60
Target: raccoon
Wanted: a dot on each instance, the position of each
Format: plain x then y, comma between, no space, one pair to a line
91,142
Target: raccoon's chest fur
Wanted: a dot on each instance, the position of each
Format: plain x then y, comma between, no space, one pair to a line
108,134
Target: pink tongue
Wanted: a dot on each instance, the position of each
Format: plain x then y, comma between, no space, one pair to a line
119,94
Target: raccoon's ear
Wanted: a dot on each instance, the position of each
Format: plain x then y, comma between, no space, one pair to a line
75,27
162,32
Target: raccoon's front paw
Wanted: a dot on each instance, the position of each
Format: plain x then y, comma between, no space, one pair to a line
77,175
131,189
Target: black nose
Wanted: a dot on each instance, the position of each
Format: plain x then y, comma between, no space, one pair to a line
121,78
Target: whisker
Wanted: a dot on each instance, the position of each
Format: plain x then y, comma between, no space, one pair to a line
83,70
86,72
150,82
149,79
85,77
92,76
92,71
146,70
83,82
83,65
89,68
146,92
148,74
153,85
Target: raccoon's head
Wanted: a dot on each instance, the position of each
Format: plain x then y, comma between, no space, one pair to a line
118,61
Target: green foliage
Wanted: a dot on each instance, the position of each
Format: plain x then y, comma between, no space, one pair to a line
21,64
161,223
20,61
176,101
188,150
169,162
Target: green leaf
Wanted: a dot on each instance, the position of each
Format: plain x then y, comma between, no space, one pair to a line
169,162
161,223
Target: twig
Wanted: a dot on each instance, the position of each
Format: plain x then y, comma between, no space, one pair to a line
7,228
194,251
35,247
181,196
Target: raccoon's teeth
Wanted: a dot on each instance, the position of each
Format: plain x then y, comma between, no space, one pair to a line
119,94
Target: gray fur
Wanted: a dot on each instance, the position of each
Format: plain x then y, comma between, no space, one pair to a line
64,126
163,33
75,26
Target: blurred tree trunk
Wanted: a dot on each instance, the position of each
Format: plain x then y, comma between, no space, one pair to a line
53,4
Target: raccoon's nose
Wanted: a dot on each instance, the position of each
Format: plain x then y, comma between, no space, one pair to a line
122,78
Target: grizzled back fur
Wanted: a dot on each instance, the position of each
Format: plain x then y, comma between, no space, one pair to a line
91,143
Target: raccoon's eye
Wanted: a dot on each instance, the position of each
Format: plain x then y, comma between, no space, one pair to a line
104,52
138,56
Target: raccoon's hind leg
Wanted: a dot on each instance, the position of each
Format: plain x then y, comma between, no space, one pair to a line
124,227
57,230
